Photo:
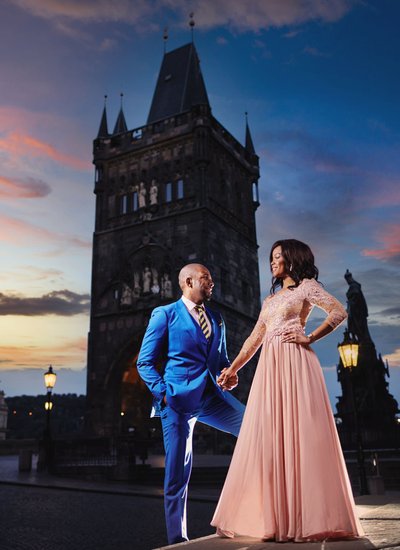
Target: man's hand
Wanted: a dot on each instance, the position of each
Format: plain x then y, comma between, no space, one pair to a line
228,379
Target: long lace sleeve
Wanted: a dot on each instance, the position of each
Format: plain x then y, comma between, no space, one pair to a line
254,341
319,297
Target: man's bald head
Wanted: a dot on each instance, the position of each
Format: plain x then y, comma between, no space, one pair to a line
196,282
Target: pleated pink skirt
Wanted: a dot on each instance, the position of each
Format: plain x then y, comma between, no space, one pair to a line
288,479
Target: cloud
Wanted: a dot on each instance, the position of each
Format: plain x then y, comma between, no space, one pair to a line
51,275
314,52
19,232
393,312
389,236
58,302
393,358
236,14
33,356
131,11
19,188
19,145
222,41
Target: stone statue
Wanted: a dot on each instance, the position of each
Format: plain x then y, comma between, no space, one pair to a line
142,195
155,288
146,280
166,286
153,193
136,285
357,310
126,297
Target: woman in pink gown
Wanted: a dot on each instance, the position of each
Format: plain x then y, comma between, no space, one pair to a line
287,480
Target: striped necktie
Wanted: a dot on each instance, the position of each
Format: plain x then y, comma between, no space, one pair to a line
202,321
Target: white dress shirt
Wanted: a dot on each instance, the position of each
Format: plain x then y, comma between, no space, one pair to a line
191,307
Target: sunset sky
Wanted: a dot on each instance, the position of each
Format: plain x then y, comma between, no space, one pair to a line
321,83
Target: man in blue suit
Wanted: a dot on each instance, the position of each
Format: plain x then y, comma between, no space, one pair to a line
190,340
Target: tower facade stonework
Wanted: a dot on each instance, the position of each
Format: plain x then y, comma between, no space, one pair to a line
178,190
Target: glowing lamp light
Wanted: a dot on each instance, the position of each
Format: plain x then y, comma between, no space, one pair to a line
48,405
50,378
348,351
122,413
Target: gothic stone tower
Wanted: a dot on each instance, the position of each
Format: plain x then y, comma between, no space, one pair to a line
180,189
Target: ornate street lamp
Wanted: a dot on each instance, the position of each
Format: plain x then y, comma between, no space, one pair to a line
348,351
46,461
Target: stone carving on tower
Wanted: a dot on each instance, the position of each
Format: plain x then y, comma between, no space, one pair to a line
179,189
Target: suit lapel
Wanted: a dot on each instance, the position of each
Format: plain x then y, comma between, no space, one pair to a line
215,331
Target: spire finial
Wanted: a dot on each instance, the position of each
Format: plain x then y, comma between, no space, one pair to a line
246,115
165,38
122,97
105,100
191,23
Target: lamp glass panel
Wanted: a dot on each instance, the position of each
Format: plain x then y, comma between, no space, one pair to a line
345,354
50,379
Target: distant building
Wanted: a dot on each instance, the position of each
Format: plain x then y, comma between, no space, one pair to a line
365,390
180,189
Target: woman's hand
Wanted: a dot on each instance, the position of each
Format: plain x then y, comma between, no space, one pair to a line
228,379
292,337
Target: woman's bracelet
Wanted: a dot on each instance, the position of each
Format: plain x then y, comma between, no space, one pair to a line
310,337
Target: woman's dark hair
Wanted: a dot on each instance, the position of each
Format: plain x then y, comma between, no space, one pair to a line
299,262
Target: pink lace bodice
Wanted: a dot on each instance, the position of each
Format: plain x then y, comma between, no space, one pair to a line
288,310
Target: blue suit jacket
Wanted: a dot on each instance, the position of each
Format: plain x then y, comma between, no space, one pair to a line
188,359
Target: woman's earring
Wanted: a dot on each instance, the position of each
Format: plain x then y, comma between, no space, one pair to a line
291,267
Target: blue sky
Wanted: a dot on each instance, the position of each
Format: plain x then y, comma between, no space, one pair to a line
320,82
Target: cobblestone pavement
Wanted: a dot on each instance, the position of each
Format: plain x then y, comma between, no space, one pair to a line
34,518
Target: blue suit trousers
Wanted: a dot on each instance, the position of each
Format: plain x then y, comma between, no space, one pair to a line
178,428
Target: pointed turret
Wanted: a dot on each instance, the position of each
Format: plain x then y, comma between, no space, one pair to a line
180,84
103,129
120,126
249,146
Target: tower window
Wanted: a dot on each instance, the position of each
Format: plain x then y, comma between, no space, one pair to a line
168,192
255,192
180,189
123,205
135,203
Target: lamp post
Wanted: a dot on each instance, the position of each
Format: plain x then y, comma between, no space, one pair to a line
348,351
49,381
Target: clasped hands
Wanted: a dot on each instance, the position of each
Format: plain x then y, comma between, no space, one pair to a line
228,379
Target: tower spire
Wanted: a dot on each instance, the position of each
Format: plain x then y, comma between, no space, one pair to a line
249,146
103,129
120,125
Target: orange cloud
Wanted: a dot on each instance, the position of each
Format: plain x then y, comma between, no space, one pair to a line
71,352
240,15
389,236
18,232
28,189
393,358
18,144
